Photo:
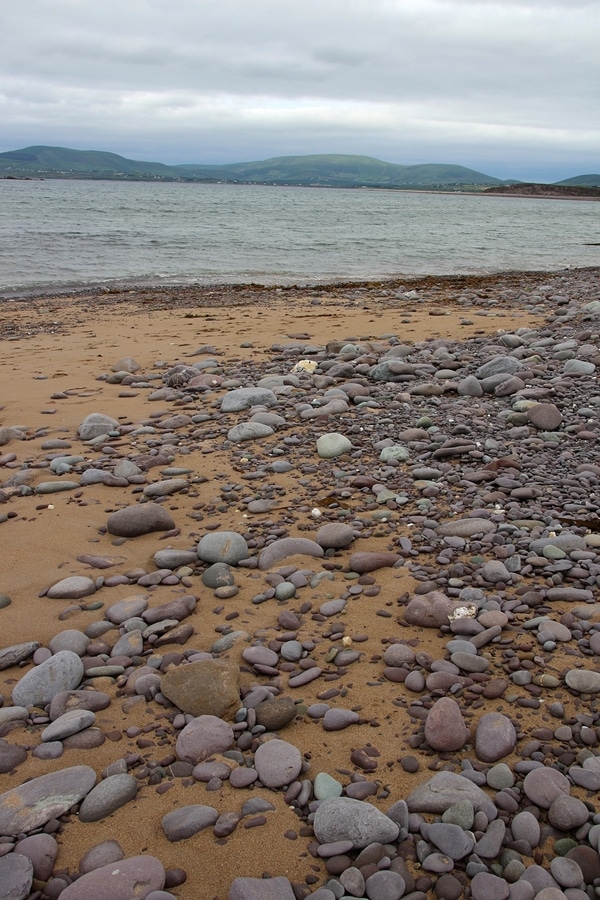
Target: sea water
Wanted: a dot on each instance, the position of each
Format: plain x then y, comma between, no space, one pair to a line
58,234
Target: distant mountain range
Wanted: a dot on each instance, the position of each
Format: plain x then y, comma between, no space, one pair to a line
327,170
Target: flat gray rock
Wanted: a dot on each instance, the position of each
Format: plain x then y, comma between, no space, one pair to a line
32,804
249,431
142,518
286,547
278,888
245,398
137,876
61,672
344,819
186,821
445,789
109,794
584,681
466,527
69,723
95,425
73,588
12,656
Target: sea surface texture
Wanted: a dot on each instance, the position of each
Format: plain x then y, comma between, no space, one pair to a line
61,233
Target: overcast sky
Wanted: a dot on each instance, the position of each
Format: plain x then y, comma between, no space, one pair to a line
510,88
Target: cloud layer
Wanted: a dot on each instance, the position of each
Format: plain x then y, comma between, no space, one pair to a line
509,88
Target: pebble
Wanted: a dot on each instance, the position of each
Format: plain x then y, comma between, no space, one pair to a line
277,763
61,672
142,518
186,821
121,880
32,804
344,819
202,737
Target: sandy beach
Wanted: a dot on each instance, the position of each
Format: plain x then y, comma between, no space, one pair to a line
382,558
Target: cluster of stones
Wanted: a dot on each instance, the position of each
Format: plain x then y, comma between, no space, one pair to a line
487,498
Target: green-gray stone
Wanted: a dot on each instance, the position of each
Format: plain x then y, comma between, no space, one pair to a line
325,786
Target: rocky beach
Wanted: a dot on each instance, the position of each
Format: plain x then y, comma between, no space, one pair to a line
299,591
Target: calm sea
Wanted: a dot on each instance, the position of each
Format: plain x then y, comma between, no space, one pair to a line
56,234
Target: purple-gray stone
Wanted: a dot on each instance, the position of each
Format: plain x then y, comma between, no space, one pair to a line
32,804
137,876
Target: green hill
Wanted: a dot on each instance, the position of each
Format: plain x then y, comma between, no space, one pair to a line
342,171
581,181
321,170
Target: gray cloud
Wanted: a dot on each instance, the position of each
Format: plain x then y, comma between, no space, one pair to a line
507,87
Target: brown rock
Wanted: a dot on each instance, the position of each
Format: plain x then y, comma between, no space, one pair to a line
208,687
445,728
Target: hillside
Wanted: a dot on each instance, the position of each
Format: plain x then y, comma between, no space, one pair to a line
582,180
322,170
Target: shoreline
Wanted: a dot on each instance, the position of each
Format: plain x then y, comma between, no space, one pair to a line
116,288
354,623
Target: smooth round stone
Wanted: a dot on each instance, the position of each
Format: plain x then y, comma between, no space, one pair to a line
249,431
469,662
495,737
218,575
285,591
396,452
260,656
398,655
566,812
71,639
62,672
566,872
16,876
543,785
461,813
333,444
584,681
332,607
128,608
338,719
365,561
202,737
325,786
142,518
242,777
345,819
277,763
42,850
292,651
385,885
335,535
101,855
121,880
445,727
186,821
500,777
222,547
485,886
73,588
276,713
